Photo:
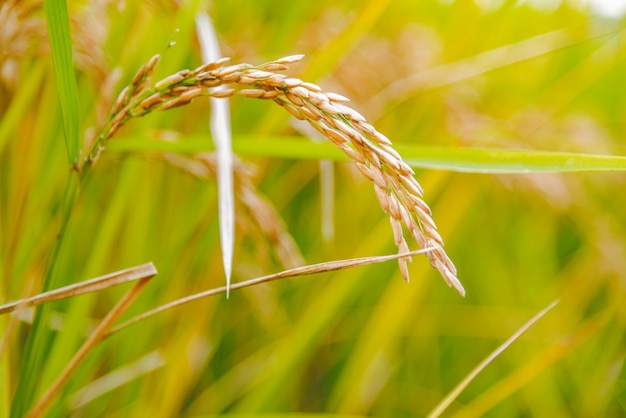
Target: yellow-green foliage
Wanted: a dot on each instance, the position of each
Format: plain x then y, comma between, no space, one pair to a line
443,80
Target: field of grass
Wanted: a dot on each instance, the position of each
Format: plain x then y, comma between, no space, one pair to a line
512,119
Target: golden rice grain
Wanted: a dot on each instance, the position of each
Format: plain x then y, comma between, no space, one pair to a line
294,99
336,136
212,65
277,80
311,86
301,92
252,93
274,66
139,75
169,81
223,93
329,108
292,82
191,93
150,101
271,94
294,111
334,97
121,101
258,74
177,102
232,77
291,59
313,109
247,80
308,114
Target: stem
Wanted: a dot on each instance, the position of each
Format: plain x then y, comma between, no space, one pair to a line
294,272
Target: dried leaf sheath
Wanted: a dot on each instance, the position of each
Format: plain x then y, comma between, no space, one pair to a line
397,191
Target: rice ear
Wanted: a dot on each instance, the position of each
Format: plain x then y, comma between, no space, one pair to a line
399,193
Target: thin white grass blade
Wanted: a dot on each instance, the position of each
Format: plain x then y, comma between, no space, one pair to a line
447,401
221,132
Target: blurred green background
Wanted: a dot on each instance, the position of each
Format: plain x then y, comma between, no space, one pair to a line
361,342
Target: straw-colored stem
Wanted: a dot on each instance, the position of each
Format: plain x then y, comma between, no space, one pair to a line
87,286
298,271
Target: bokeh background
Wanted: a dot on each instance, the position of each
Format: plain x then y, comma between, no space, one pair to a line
540,75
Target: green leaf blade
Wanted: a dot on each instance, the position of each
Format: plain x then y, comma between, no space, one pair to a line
508,161
467,160
61,47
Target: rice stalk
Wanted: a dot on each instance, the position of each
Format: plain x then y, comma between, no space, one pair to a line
80,288
324,267
398,192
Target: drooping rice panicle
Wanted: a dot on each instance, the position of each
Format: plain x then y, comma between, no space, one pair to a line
396,188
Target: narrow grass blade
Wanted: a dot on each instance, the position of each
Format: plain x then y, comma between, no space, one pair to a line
298,271
221,131
447,401
468,160
87,286
61,46
117,378
528,371
504,161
